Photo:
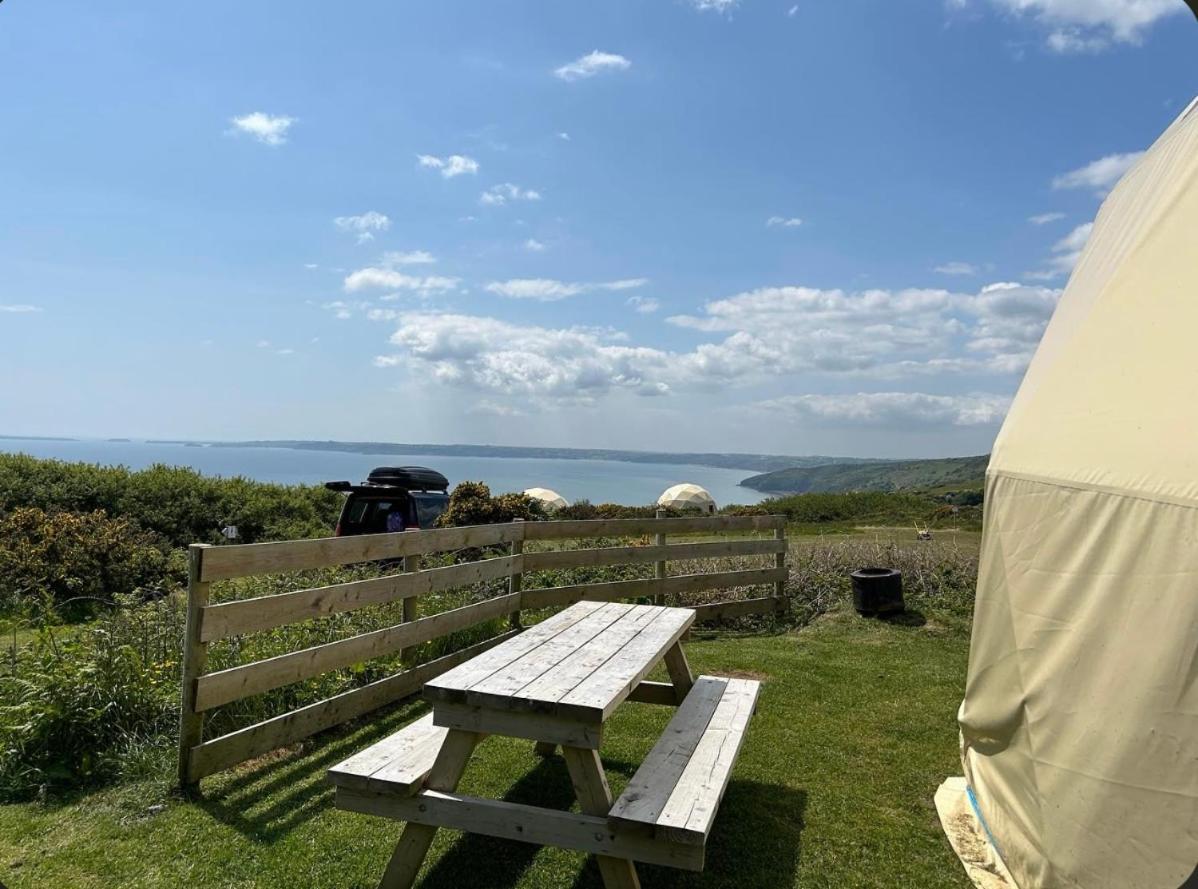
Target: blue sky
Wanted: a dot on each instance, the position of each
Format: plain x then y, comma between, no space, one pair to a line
794,226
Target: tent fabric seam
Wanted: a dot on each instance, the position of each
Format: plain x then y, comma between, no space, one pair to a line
1113,490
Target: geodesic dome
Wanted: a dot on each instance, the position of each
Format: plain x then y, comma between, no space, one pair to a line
550,499
687,496
1079,726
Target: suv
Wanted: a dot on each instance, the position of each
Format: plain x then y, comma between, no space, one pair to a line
393,498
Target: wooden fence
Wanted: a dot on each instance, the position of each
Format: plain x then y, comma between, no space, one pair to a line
209,622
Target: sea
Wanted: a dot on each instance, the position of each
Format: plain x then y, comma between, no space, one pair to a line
600,481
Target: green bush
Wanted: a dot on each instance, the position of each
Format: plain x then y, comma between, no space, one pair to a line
471,503
65,555
179,504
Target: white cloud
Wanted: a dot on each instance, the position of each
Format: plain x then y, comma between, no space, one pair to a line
721,6
646,305
565,137
1101,174
549,290
1045,218
364,225
1092,25
392,279
496,409
956,268
310,266
783,221
19,308
534,246
498,195
793,11
409,257
592,63
266,344
894,408
454,165
266,128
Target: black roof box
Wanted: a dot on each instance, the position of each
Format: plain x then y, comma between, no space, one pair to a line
411,478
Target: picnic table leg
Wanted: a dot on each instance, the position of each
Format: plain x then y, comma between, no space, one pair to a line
680,671
594,798
413,844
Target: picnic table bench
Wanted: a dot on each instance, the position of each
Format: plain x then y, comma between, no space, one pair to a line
557,683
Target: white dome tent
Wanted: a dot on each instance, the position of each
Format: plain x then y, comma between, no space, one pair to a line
550,499
687,496
1079,728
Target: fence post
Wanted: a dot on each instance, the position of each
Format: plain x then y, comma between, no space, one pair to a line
195,658
659,568
515,581
411,603
780,562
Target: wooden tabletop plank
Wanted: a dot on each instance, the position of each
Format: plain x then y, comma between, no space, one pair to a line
555,683
496,690
452,684
600,693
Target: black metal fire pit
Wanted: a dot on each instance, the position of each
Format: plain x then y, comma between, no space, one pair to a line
878,591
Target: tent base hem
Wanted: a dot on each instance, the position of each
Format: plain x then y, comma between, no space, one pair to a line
968,837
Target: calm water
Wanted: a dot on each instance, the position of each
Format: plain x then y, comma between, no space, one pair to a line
600,481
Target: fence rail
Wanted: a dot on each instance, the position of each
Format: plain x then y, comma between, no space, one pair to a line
210,622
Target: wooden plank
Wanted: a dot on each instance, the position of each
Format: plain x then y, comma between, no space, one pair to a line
688,814
594,798
411,605
452,686
262,737
728,610
294,555
195,657
780,561
649,790
654,693
640,555
660,568
516,724
680,672
633,527
397,764
524,823
413,845
515,581
607,591
235,683
496,689
559,677
598,695
265,612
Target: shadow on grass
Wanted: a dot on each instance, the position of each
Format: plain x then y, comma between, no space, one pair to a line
911,617
272,796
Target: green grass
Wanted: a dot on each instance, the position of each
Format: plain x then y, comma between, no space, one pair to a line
854,731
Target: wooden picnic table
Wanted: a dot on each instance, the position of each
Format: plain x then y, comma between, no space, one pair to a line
555,684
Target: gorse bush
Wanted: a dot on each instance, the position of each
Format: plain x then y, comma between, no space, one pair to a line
68,556
471,503
176,503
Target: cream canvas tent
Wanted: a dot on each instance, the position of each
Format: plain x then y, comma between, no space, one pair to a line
687,496
550,498
1080,721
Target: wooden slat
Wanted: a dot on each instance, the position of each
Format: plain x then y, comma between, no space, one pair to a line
625,527
523,823
195,657
677,790
254,740
496,689
235,683
728,610
691,809
609,591
640,555
397,764
266,612
515,724
452,686
599,694
649,790
294,555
